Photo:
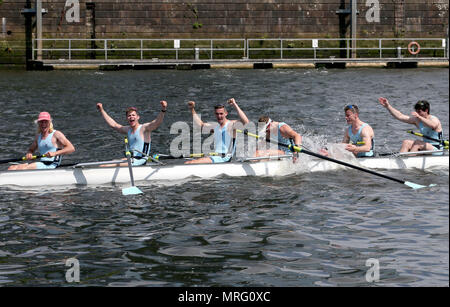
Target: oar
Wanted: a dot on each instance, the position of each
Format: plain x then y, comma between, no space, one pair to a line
358,143
133,190
301,150
20,159
443,142
195,155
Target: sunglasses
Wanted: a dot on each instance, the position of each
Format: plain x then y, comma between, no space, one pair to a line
419,105
351,107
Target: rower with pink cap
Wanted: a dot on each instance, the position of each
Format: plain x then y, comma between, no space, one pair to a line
49,142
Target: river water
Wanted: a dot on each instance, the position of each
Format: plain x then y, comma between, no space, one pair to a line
309,229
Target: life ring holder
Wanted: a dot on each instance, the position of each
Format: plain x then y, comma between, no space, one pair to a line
410,48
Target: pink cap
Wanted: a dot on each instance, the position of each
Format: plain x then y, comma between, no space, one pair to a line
44,116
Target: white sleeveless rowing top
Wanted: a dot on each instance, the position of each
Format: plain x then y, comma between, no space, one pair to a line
355,138
222,139
427,131
137,142
46,145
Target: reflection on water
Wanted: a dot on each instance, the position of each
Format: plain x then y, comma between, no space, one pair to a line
308,229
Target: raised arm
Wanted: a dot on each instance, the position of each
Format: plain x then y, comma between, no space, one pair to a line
111,122
242,117
154,124
196,118
396,113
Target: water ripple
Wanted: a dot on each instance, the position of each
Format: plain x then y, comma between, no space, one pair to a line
307,229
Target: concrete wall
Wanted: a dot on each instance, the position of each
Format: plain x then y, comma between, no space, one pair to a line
224,18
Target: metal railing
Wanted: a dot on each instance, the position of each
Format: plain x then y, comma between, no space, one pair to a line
239,49
341,48
174,46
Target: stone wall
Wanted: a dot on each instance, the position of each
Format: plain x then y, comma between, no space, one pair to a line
223,18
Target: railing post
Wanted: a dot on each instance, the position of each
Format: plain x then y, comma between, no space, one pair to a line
39,29
446,47
247,53
353,27
70,49
106,49
348,51
245,48
212,49
380,48
281,49
142,51
32,49
197,53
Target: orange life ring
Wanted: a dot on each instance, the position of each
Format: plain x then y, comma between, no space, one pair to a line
410,45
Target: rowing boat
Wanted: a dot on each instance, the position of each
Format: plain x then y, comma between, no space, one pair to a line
92,174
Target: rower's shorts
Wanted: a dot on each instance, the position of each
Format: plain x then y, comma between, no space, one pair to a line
219,159
437,153
365,154
42,165
138,162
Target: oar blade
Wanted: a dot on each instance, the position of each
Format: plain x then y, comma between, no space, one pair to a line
131,191
416,186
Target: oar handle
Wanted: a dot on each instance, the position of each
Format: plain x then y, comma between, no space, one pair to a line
127,148
245,131
21,159
444,142
200,155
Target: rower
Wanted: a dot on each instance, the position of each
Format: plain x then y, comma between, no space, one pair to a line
139,135
359,136
429,125
49,142
224,132
283,134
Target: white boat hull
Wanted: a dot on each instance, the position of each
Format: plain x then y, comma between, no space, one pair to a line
117,175
411,162
154,173
388,163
